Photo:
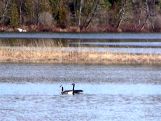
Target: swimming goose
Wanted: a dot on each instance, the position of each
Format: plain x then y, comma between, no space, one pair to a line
70,92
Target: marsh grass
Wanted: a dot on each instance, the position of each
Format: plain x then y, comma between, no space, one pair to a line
32,43
73,55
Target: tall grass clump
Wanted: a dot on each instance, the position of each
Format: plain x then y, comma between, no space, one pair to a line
32,43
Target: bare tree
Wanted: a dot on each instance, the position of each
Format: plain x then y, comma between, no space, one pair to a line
36,10
136,5
151,7
151,13
6,5
80,12
89,15
116,13
121,13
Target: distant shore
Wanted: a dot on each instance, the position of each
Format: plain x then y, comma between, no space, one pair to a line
66,55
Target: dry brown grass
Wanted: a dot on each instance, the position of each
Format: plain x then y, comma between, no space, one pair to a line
73,56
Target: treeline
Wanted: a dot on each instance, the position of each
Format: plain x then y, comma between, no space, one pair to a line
81,15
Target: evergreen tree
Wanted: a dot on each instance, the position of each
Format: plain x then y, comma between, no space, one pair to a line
14,14
60,12
31,11
45,6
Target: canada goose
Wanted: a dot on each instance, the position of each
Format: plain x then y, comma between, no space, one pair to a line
70,92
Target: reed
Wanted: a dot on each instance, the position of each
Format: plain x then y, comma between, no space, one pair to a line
68,55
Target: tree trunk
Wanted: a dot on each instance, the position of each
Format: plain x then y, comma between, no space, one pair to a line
151,13
136,4
90,15
80,12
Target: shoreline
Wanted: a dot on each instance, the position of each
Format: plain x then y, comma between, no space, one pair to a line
65,55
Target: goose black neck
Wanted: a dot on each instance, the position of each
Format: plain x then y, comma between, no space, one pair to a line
62,89
73,88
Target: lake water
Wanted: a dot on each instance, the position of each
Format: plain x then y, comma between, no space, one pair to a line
31,92
121,47
118,44
80,36
130,50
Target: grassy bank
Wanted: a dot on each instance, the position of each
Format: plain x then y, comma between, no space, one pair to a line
73,56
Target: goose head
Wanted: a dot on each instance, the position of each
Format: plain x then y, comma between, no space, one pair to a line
62,89
73,84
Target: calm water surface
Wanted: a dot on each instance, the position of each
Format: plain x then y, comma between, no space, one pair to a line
111,93
120,47
116,44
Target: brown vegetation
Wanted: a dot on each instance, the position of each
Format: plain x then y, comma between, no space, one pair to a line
73,56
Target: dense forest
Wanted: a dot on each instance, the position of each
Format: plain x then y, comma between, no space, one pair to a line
81,15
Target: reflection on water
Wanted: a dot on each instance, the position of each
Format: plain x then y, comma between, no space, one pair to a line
111,93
